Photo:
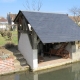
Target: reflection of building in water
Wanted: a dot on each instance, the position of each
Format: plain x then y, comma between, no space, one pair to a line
28,76
17,77
67,72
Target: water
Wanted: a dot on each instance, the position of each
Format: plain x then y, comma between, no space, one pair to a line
67,72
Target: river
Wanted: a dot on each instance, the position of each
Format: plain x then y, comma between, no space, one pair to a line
67,72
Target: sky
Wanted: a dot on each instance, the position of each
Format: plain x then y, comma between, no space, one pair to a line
53,6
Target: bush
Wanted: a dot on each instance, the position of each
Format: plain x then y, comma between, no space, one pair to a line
0,31
3,33
9,35
9,45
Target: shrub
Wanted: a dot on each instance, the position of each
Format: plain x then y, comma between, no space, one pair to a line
9,35
9,45
0,31
3,33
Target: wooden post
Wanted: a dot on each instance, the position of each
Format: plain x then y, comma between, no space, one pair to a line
25,25
18,32
34,39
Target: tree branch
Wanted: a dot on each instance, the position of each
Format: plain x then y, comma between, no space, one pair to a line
35,5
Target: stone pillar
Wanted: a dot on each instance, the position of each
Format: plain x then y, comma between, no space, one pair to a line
35,59
35,51
75,52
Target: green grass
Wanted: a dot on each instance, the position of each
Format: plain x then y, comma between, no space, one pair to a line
14,40
14,37
2,40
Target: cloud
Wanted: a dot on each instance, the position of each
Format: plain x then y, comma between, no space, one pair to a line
8,0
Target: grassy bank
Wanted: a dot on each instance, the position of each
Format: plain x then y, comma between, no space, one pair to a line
3,41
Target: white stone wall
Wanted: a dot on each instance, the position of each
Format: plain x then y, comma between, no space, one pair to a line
25,48
75,52
35,59
69,48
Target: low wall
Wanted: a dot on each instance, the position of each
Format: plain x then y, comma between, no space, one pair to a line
25,48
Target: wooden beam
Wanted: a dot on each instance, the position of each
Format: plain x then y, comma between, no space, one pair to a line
24,31
24,24
34,40
18,32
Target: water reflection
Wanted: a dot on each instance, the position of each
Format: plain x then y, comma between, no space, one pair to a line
67,72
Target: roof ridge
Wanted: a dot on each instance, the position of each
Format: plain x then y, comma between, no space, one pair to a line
44,12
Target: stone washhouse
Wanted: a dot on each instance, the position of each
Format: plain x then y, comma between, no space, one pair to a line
47,33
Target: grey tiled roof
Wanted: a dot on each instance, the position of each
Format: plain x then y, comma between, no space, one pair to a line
51,27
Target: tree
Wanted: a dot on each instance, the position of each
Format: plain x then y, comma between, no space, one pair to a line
33,5
76,14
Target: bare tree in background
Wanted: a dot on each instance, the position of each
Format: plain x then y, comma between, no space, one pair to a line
33,5
76,14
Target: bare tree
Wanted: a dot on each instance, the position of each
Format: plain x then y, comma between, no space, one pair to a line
76,14
33,5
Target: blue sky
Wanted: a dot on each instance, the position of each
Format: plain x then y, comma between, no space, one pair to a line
55,6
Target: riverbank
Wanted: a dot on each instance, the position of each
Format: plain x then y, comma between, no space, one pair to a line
66,72
9,63
54,63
